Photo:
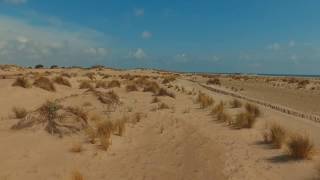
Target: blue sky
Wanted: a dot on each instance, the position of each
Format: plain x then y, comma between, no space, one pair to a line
257,36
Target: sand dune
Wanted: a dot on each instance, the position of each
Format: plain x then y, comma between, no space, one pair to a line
180,141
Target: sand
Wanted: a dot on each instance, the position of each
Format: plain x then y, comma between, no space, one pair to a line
182,142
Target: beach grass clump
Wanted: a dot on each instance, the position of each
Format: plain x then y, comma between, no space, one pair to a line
214,81
19,112
235,103
204,100
114,83
244,120
104,131
22,82
131,88
300,146
62,81
102,84
85,85
164,92
218,109
44,83
253,110
275,135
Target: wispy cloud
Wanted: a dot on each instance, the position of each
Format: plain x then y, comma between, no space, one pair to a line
138,54
146,34
138,11
24,43
274,46
15,2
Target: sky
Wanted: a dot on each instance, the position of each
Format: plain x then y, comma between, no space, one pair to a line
249,36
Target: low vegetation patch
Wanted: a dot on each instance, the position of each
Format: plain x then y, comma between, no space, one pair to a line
131,87
235,103
101,84
218,109
214,81
19,112
164,92
44,83
204,100
104,131
275,135
85,85
300,146
76,175
114,83
119,126
22,82
253,110
244,120
62,81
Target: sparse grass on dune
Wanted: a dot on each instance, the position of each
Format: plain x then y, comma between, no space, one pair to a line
214,81
114,83
76,175
204,100
235,103
163,106
22,82
253,110
151,86
19,112
44,83
131,87
300,146
224,117
164,92
78,112
244,120
110,97
85,85
276,135
155,100
76,148
119,126
218,109
62,81
168,79
104,131
91,75
101,84
91,134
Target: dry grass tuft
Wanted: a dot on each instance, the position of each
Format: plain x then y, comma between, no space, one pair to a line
22,82
85,85
44,83
276,135
19,112
164,92
222,116
131,87
253,110
119,126
300,146
76,148
214,81
235,103
114,83
91,134
79,113
244,120
204,100
168,79
155,100
218,109
101,84
76,175
62,81
104,131
149,86
163,106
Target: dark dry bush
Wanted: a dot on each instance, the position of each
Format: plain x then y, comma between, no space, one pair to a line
62,81
44,83
22,82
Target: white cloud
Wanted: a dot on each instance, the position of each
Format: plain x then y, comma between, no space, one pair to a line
138,54
275,46
22,42
146,35
139,12
15,2
292,43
